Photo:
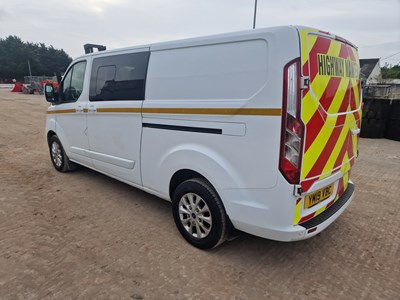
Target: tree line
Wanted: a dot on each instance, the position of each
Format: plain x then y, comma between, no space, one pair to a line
389,71
16,56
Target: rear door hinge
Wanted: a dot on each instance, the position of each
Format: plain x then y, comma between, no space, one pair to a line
304,82
298,190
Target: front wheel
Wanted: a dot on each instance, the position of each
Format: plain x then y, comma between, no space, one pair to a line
199,214
58,156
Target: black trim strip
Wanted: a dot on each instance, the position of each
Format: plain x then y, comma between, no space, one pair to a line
183,128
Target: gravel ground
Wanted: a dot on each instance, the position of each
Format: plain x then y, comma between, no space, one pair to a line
83,235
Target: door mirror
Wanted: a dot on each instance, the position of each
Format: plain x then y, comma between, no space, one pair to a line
49,93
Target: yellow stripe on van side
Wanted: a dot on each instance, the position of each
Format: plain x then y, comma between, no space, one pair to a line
61,111
120,110
217,111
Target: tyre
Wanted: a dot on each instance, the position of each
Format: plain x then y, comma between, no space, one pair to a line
393,130
199,214
370,114
58,157
367,107
376,109
395,110
372,128
365,128
377,128
383,112
393,123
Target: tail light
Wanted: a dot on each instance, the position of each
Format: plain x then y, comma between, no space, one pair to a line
292,126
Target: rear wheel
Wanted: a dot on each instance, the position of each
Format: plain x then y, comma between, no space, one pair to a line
58,156
199,214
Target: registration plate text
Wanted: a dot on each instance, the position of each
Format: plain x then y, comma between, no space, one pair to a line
318,196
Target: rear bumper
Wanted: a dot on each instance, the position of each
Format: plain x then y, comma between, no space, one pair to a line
304,230
332,210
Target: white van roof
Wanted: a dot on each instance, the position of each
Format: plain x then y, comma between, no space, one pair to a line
191,42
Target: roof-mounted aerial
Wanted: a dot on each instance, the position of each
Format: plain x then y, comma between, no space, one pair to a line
89,48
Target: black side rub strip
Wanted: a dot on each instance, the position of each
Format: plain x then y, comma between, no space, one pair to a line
183,128
331,210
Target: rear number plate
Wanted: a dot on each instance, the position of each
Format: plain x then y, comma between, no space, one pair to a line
318,196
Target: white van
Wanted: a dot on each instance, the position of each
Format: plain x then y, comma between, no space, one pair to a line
254,130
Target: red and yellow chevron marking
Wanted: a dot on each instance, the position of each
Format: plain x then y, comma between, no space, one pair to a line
342,186
330,105
297,212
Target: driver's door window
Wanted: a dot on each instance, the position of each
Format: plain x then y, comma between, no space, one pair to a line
72,85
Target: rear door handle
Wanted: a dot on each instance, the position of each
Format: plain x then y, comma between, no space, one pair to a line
92,109
355,131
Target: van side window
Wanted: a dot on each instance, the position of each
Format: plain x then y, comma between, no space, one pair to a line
119,77
72,85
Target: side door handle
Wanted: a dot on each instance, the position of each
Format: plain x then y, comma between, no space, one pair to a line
79,109
92,109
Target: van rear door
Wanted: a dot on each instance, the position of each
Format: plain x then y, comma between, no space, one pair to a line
330,108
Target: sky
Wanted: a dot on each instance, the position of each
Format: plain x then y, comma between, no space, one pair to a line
373,25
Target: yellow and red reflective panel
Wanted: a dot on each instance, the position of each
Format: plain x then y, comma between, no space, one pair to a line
328,141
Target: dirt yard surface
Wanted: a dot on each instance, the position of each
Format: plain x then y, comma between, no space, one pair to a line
83,235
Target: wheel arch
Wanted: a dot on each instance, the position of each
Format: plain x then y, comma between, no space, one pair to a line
50,133
185,174
181,176
163,169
